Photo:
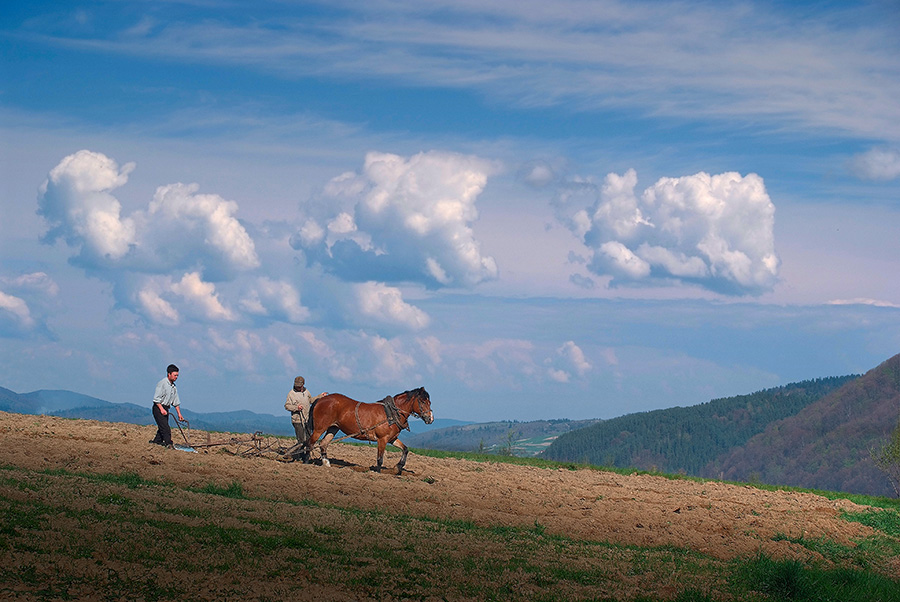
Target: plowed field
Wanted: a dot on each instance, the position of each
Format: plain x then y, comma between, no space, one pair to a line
715,520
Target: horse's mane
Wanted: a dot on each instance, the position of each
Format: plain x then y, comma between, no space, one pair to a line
417,391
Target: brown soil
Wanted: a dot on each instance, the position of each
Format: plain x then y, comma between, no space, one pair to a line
719,520
710,517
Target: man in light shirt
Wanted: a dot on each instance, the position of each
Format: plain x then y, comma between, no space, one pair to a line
164,399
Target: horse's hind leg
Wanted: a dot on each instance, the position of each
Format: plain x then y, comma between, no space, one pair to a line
382,444
310,445
323,445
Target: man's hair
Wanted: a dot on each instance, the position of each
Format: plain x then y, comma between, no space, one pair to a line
172,368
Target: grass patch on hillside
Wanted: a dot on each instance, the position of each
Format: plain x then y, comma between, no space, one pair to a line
72,536
233,490
792,580
886,521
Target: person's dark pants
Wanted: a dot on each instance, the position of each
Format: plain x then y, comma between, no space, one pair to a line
303,434
163,432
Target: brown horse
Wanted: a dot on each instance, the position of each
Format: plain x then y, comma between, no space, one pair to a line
366,421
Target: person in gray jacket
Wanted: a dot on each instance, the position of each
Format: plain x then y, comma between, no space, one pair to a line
298,403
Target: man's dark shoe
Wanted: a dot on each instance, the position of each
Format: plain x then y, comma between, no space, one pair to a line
169,446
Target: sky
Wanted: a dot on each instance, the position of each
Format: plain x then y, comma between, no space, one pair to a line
536,210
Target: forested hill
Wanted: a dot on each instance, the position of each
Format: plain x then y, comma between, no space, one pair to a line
688,439
827,444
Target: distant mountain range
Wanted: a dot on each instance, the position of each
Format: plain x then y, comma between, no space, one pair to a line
67,404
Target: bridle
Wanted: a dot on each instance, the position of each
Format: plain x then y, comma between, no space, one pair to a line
418,405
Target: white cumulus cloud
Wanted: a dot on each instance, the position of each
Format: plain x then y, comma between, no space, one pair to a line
77,204
163,259
239,350
716,231
180,229
202,297
385,305
14,313
166,301
204,224
573,354
403,219
277,299
569,360
152,305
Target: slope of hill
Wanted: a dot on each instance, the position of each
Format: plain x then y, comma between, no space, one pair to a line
687,439
47,401
10,401
516,438
826,445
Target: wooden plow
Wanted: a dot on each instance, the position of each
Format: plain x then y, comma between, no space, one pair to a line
247,446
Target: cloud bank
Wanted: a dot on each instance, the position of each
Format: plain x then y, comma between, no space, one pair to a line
715,231
186,257
180,229
165,261
402,220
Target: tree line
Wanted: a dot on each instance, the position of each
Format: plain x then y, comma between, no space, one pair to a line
687,439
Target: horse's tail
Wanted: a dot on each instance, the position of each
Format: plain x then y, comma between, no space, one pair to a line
310,420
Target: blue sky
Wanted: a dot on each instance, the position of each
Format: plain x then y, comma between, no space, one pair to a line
535,210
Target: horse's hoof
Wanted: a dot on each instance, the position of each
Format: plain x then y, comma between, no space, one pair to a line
325,462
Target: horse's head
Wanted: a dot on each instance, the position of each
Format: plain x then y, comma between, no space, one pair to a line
421,404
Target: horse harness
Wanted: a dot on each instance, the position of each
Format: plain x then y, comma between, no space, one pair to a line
394,415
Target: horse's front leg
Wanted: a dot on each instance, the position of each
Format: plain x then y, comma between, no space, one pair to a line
404,451
382,444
